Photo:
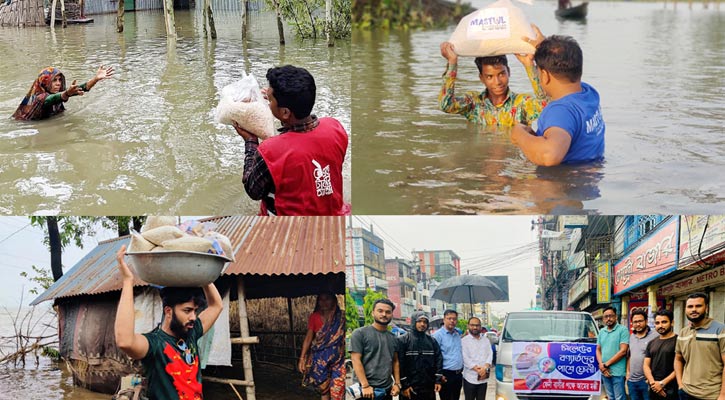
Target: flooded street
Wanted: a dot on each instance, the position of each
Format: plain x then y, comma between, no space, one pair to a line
660,73
146,140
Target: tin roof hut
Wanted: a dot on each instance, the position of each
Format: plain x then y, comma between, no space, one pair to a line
278,261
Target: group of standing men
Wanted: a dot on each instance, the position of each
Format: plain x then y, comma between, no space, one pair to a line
663,365
417,365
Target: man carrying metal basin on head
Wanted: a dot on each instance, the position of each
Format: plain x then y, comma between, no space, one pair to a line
169,353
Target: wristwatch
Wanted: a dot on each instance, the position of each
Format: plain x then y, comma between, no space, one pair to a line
606,365
662,383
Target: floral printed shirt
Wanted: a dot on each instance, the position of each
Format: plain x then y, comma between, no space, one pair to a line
477,108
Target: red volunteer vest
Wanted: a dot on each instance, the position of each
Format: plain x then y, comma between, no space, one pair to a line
307,170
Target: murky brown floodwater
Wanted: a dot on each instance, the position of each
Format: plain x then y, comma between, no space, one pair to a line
52,381
660,72
146,139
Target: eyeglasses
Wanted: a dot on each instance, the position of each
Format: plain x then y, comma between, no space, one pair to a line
609,316
189,358
638,322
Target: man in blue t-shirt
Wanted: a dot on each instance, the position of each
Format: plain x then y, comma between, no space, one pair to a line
570,128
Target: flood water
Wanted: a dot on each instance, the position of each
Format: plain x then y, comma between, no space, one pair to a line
50,380
659,69
146,139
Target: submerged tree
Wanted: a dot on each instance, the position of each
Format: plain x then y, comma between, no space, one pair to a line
312,18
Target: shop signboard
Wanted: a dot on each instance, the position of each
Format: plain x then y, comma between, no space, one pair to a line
579,288
556,368
654,257
711,277
700,236
604,283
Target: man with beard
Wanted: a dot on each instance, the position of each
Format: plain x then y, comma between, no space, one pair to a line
450,341
374,360
612,346
638,341
477,356
659,359
420,361
700,353
169,353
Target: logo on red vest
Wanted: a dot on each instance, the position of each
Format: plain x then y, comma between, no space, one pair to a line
322,179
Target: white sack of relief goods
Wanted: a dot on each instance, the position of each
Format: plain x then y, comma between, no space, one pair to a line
138,243
494,30
155,222
223,242
188,243
243,103
162,234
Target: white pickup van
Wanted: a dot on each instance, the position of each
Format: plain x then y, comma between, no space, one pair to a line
540,326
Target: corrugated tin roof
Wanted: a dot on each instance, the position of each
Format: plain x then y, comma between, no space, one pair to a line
262,246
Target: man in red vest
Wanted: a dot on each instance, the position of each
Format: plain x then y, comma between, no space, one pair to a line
298,172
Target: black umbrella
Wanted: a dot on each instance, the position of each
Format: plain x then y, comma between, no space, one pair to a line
469,289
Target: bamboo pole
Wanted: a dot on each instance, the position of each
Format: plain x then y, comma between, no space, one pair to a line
280,27
232,381
169,18
119,16
245,18
244,329
328,23
52,14
62,14
210,18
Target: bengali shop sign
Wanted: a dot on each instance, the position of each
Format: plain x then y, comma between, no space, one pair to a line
656,255
700,235
714,276
604,283
560,368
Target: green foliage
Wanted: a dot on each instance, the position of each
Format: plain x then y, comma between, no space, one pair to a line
351,316
307,17
406,14
72,229
42,278
51,353
368,301
462,324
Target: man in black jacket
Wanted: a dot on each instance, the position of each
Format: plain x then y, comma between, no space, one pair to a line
420,361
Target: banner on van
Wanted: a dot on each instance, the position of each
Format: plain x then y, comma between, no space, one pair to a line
556,367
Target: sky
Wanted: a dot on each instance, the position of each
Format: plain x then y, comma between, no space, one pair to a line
487,245
21,247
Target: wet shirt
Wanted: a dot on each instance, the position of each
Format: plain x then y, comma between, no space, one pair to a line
580,115
477,108
169,375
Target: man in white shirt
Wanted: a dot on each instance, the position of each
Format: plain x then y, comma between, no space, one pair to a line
477,356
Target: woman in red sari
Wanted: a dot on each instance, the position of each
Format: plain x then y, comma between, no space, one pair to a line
48,93
322,361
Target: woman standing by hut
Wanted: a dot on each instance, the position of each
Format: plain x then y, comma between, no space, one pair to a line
322,360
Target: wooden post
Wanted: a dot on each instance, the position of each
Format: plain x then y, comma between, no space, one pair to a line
280,27
291,326
52,14
119,16
169,18
244,329
245,21
62,14
328,23
210,17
